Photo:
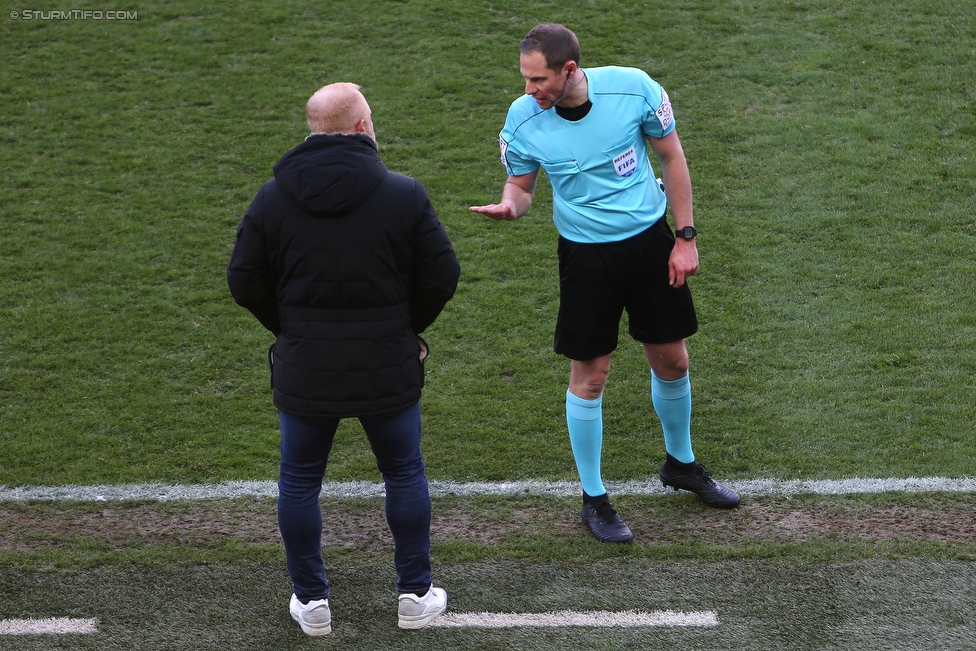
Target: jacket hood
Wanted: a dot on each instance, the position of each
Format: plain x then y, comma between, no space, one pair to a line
331,175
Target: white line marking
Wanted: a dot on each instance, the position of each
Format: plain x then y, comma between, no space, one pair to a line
53,625
602,619
269,489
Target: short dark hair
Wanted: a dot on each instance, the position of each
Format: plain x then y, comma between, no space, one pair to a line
556,43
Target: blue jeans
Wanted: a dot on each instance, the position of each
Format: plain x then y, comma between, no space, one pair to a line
305,447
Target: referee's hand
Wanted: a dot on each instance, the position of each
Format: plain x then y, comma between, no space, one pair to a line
504,211
683,262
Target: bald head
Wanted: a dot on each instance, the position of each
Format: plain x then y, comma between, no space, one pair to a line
339,109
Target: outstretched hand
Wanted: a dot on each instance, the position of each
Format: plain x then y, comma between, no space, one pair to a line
504,211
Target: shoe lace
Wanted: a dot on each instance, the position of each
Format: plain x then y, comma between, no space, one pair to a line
605,511
707,476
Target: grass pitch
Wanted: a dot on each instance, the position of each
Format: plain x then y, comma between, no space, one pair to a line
830,146
831,151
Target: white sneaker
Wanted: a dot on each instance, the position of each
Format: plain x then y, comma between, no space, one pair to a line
416,612
315,617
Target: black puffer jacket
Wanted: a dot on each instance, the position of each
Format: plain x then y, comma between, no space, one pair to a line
345,262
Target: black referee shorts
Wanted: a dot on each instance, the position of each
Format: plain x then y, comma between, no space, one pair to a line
598,281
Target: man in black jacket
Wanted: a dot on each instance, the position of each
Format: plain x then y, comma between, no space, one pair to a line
346,264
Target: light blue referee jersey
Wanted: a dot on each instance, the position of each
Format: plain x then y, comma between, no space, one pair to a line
604,189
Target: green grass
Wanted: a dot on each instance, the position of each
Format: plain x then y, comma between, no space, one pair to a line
830,146
872,605
831,152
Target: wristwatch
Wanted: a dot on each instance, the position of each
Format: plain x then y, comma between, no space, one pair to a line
686,233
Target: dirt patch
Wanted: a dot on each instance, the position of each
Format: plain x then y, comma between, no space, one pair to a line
360,524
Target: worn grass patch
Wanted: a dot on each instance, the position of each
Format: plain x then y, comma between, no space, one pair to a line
62,535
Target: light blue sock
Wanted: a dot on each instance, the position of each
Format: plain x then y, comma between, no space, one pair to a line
584,418
672,402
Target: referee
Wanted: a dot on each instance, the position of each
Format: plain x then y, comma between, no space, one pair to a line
589,130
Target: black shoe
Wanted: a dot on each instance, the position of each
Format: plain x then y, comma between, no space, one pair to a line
603,521
693,477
